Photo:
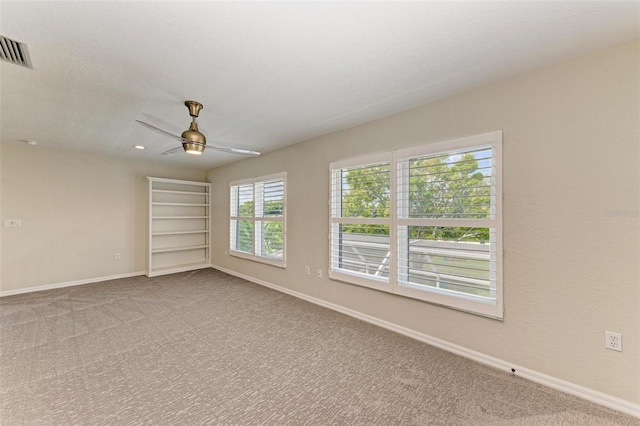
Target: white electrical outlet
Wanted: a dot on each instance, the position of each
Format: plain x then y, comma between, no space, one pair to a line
12,223
117,256
319,273
613,341
307,270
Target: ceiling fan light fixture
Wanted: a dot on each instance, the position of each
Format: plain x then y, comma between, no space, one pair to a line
193,141
193,148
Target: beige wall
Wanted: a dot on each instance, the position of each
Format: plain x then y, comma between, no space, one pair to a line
77,211
571,153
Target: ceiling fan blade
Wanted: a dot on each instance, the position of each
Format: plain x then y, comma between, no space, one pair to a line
230,150
173,150
235,150
159,130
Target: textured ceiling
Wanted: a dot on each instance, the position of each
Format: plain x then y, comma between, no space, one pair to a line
269,74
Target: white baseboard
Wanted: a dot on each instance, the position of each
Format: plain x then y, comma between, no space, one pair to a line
544,379
68,284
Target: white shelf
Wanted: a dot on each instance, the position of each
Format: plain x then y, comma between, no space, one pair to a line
180,217
178,240
203,231
183,248
180,204
167,191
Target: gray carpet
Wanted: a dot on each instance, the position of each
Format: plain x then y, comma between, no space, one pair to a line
207,348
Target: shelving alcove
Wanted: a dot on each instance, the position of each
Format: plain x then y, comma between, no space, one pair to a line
179,236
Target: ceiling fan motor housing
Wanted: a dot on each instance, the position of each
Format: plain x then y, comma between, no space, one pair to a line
193,134
194,141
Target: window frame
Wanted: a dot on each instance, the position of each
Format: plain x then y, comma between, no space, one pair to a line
343,275
459,301
255,218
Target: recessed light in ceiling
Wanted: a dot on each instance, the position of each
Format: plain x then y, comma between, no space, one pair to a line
139,147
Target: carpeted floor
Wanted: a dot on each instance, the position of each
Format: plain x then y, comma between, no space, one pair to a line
207,348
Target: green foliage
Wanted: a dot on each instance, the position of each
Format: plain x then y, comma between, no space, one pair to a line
245,209
272,232
272,238
438,188
244,236
367,193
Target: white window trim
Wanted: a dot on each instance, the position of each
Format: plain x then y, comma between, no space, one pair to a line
252,256
460,302
342,275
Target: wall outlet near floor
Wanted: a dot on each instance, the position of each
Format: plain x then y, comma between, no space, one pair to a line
117,256
307,270
12,223
613,341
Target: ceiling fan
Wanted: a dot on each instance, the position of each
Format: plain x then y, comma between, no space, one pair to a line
193,141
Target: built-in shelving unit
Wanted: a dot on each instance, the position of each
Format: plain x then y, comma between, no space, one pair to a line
179,238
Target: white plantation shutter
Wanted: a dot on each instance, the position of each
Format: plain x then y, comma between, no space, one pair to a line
272,198
455,185
241,227
257,219
435,234
446,225
361,224
270,218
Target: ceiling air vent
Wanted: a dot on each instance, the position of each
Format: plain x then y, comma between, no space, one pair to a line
14,52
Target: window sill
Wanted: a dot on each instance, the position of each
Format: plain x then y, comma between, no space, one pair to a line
468,304
259,259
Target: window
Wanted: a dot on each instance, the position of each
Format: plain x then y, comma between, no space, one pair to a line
361,222
257,219
423,222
